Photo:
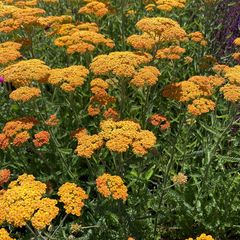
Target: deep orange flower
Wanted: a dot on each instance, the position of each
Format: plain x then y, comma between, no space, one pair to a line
41,138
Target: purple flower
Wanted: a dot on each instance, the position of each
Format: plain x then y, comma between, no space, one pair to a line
1,79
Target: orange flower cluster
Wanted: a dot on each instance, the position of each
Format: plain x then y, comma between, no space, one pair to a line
141,42
68,78
173,53
4,176
23,201
41,138
183,91
25,94
100,96
197,37
200,106
120,135
21,3
160,121
20,17
233,74
150,7
237,41
54,20
169,5
231,92
17,131
87,144
180,179
155,31
195,88
4,235
9,52
220,68
24,72
68,28
72,197
52,121
81,41
146,76
121,64
236,56
96,8
111,114
113,186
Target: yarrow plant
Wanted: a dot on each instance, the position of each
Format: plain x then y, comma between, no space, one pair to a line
119,120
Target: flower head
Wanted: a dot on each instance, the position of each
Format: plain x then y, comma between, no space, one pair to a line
113,186
72,197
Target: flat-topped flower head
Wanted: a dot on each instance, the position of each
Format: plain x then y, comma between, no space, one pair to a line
146,76
26,71
200,106
22,200
68,78
121,64
25,94
96,8
111,186
82,41
72,197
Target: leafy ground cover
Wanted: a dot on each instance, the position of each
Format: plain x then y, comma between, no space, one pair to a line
119,120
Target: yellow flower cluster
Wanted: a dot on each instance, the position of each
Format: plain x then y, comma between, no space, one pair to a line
72,197
25,94
26,71
81,41
141,42
46,212
169,5
68,78
146,76
96,8
113,186
23,202
100,96
9,52
200,106
120,135
121,64
173,53
87,144
203,236
4,235
20,17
